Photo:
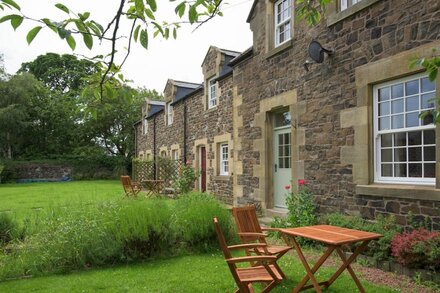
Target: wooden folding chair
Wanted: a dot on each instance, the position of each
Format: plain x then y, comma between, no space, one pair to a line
130,188
250,231
265,272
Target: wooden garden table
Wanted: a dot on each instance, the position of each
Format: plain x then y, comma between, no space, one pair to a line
152,186
333,237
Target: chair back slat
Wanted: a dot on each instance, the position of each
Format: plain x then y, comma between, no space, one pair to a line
247,221
221,239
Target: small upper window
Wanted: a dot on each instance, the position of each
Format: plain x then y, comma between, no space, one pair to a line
283,19
224,159
212,94
405,144
344,4
169,113
144,126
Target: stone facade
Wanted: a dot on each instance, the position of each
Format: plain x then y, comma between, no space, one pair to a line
330,105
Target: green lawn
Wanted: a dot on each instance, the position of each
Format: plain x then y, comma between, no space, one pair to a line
196,273
25,198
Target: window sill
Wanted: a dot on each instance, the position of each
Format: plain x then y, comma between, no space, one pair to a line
417,192
222,177
279,49
339,16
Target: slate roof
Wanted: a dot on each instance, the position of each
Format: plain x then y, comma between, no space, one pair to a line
184,89
155,108
246,54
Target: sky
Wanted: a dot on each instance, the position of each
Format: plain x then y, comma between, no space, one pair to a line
179,59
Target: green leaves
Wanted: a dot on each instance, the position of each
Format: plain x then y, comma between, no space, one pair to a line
152,4
10,3
144,38
62,7
180,9
15,19
71,42
32,34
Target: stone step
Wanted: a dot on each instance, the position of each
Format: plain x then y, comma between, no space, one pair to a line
282,213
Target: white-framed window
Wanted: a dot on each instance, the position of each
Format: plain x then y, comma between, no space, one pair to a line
144,125
404,143
283,21
212,94
224,159
175,155
169,113
344,4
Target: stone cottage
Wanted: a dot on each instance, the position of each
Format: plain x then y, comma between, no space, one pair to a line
349,126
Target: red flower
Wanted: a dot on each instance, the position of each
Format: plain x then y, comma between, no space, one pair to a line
301,182
287,187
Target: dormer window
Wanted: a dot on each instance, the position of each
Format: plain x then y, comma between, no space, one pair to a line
283,18
212,94
344,4
169,113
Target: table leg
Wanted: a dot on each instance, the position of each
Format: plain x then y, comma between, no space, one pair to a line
346,265
310,271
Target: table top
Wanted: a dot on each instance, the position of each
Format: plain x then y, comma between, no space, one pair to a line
332,235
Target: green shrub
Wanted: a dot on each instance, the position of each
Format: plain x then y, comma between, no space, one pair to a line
64,239
386,226
185,182
8,229
193,220
301,211
143,228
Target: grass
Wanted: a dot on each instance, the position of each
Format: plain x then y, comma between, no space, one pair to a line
196,273
25,198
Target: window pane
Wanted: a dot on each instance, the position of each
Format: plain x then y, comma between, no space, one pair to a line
412,103
429,170
415,138
428,119
428,101
387,170
400,155
384,108
415,170
400,139
387,155
412,119
386,140
412,87
280,151
397,91
384,94
429,153
384,123
283,119
287,162
397,106
427,85
414,154
287,150
280,163
397,121
400,170
429,136
280,139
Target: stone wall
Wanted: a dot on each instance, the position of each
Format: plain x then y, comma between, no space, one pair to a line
42,171
373,34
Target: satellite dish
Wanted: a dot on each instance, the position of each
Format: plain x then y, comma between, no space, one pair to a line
316,52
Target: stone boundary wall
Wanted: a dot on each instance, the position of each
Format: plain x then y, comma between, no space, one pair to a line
43,171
